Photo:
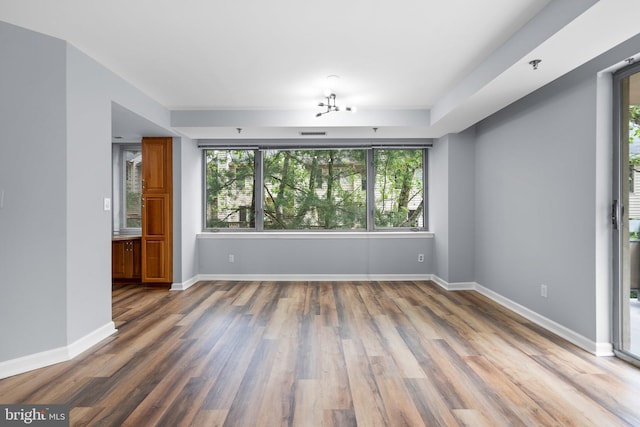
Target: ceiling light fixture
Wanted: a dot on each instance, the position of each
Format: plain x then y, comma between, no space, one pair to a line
331,104
535,63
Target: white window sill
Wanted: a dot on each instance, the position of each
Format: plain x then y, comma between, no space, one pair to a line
315,235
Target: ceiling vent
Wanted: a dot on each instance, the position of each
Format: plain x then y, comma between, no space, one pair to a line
313,133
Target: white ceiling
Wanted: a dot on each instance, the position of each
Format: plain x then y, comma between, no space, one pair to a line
412,67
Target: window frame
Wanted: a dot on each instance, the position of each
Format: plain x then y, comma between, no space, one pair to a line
259,146
121,181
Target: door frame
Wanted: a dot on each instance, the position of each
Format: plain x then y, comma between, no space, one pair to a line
619,216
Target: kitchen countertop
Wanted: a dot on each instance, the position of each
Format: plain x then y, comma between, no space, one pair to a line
120,237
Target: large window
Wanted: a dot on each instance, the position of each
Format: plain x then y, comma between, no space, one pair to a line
399,188
315,189
229,189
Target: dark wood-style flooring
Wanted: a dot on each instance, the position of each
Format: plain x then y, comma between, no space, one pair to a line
329,354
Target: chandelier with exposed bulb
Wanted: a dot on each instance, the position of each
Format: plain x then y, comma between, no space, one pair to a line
331,105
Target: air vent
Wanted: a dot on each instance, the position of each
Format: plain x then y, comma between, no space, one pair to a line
313,133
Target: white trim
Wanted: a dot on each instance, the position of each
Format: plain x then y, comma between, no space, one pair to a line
183,286
313,277
456,286
30,362
62,354
86,342
292,235
599,349
596,348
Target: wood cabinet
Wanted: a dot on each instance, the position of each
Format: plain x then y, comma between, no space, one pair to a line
126,258
157,210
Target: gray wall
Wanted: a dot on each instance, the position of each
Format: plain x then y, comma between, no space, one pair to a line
452,206
542,199
55,170
187,202
33,222
301,254
535,204
537,212
91,90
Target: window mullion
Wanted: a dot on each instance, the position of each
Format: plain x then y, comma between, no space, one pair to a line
425,190
259,190
371,191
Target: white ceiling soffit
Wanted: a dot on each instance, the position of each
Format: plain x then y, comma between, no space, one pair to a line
414,68
129,127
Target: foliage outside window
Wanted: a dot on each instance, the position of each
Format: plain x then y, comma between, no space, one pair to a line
399,188
634,135
229,189
314,189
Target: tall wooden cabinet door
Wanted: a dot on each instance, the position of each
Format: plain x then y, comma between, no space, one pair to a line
156,165
156,238
157,208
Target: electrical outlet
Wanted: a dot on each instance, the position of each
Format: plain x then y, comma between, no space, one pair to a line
543,291
232,258
420,257
106,204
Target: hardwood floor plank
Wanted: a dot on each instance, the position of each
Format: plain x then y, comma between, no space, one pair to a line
228,365
399,406
367,401
473,418
308,409
397,348
210,418
525,408
327,302
380,353
278,399
245,408
430,402
334,379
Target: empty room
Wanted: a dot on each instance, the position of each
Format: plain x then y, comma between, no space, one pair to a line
246,213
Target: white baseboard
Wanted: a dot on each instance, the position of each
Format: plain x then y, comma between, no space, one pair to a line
596,348
30,362
187,284
312,277
62,354
86,342
456,286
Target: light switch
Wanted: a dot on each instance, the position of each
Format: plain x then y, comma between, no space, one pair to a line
107,204
2,199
